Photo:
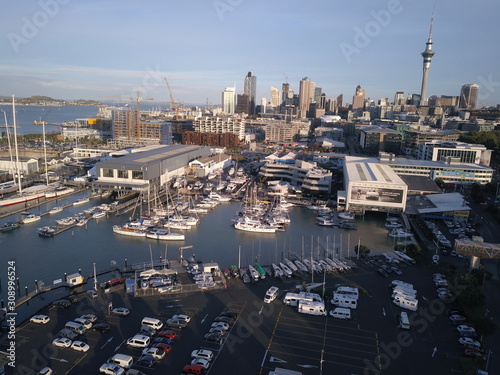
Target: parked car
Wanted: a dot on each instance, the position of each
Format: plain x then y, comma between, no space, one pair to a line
450,312
146,360
382,272
162,340
176,323
111,369
62,304
224,326
229,313
90,317
147,330
156,353
84,322
396,270
212,337
457,319
92,293
184,317
62,342
475,353
201,362
101,327
466,331
80,346
165,347
45,371
202,353
219,330
224,319
470,342
168,333
40,319
121,311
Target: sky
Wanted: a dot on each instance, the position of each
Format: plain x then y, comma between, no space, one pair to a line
93,49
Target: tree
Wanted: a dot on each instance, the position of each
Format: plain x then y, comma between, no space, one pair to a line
484,326
363,250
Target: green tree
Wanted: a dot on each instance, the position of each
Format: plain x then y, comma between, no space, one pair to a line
484,326
363,250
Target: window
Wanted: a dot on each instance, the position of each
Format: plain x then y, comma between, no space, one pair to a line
106,172
137,175
122,174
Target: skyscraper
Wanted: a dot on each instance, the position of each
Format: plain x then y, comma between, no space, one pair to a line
250,88
306,95
427,55
228,100
275,97
468,96
358,100
399,98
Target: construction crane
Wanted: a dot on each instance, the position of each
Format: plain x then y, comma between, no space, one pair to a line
138,100
174,106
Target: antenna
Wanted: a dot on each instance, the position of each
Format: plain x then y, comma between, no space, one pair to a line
432,22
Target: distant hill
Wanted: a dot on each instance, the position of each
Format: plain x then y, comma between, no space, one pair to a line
47,101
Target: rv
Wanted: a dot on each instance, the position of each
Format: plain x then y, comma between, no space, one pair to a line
408,304
271,294
348,290
405,290
313,308
293,299
314,296
395,283
402,294
340,313
344,300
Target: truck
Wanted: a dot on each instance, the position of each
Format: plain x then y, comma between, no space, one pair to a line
312,308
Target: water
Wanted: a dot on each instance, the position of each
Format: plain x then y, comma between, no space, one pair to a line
214,239
25,115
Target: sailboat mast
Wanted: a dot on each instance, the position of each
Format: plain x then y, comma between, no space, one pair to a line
8,141
45,154
15,145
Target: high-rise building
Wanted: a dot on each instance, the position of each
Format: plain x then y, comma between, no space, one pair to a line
275,97
306,95
340,101
427,55
228,105
399,98
242,103
358,100
468,96
250,89
317,96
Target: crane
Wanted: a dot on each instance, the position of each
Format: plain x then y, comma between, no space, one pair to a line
138,100
173,104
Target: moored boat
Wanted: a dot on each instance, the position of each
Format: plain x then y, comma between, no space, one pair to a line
46,232
254,227
128,231
31,218
7,227
345,215
400,233
81,201
162,234
55,210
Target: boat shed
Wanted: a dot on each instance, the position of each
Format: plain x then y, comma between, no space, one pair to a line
146,171
211,267
75,279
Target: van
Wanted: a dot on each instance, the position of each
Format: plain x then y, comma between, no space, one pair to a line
404,322
341,313
271,294
138,341
313,296
67,333
343,300
156,324
75,327
312,308
399,297
122,360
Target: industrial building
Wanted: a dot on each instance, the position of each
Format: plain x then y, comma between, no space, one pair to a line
146,170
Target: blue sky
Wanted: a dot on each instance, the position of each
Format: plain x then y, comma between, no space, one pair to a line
74,49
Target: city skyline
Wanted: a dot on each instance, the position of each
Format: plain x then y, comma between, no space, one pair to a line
70,50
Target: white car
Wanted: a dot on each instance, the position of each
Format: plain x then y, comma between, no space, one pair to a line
111,369
465,328
223,325
218,330
439,276
201,362
40,319
202,353
184,317
470,342
62,342
122,311
80,346
45,371
156,353
90,317
84,322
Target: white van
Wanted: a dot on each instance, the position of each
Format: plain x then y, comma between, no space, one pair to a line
404,322
156,324
138,341
271,294
411,305
344,300
75,327
341,313
312,308
122,360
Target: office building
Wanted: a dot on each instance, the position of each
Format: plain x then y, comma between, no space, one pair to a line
250,89
228,98
275,97
413,138
399,98
281,132
358,100
468,96
242,104
374,139
464,152
306,96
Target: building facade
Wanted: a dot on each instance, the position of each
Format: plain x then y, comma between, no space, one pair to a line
306,96
250,89
374,139
228,100
464,152
468,96
220,125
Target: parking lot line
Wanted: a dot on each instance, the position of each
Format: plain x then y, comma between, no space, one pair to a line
76,362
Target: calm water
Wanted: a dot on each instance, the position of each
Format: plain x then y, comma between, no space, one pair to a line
25,115
214,239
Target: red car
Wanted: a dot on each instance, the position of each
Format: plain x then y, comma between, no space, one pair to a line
170,334
165,347
475,353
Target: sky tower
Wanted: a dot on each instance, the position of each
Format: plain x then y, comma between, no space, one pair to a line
427,55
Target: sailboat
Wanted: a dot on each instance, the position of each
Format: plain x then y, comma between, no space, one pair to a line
30,194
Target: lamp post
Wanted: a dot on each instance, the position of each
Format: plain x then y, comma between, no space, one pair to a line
95,279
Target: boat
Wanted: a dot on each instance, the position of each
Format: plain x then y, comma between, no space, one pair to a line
301,266
81,221
286,270
347,224
129,231
291,265
253,272
254,227
67,221
400,233
81,201
244,275
393,224
8,226
308,264
98,214
31,218
325,221
345,215
47,232
278,272
260,270
177,224
55,210
165,235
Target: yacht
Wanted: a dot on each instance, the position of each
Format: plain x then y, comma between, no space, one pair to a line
278,272
81,201
46,232
286,270
55,210
129,231
345,215
325,221
165,235
254,227
31,218
253,273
